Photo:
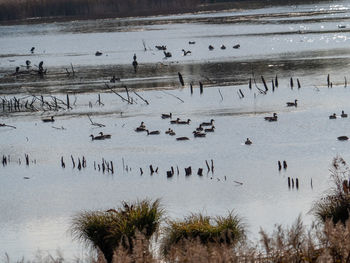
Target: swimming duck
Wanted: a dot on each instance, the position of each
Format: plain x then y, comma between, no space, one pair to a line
175,121
223,47
182,138
161,47
198,134
98,53
184,122
343,138
210,129
167,54
271,118
51,119
166,116
248,142
191,42
291,104
237,46
200,128
333,116
105,136
152,132
343,114
207,123
170,132
99,137
211,47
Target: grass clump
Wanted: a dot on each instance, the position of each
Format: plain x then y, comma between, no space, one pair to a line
335,205
202,230
108,230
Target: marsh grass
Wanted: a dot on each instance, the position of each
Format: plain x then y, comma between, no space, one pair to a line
335,205
108,230
200,229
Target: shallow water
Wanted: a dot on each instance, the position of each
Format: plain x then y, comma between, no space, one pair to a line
301,42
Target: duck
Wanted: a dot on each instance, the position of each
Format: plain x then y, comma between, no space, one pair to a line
200,128
99,137
98,53
161,47
333,116
211,47
343,114
198,134
167,54
182,138
152,132
140,129
291,104
271,118
191,42
185,53
51,119
223,47
248,142
237,46
105,136
170,132
142,125
166,116
343,138
32,50
184,122
175,121
207,123
210,129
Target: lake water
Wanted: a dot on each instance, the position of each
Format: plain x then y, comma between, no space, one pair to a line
307,42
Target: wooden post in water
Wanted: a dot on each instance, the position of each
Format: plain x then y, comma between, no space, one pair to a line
297,183
291,83
200,171
276,81
288,182
72,161
169,174
279,166
299,85
63,165
191,88
200,88
151,169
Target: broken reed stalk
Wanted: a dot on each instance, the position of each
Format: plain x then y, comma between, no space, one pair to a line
200,87
116,93
264,82
95,123
181,79
141,98
173,96
222,98
206,162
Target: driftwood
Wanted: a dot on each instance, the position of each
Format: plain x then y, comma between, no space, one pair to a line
141,98
6,125
173,95
96,124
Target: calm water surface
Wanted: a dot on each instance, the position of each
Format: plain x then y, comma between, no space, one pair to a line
303,42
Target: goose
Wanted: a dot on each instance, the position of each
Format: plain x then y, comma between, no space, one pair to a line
140,129
291,104
198,134
184,122
167,54
343,114
210,129
166,116
191,42
200,128
142,125
105,136
343,138
211,47
182,138
161,47
248,142
51,119
32,50
333,116
98,53
208,123
271,118
28,64
99,137
175,121
152,132
237,46
223,47
185,53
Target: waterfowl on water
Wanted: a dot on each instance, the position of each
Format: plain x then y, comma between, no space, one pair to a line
152,132
223,47
141,128
32,50
184,122
333,116
200,128
166,116
237,46
291,104
170,132
175,121
191,42
211,47
182,138
248,142
167,54
198,134
161,47
210,129
51,119
98,53
105,136
343,138
207,123
99,137
271,118
343,114
185,53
